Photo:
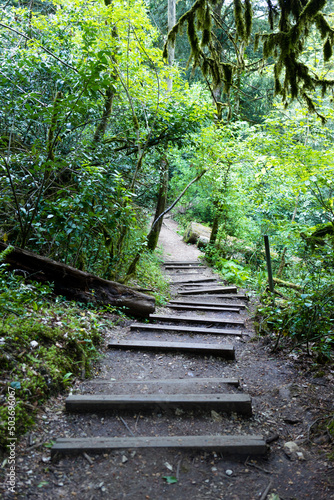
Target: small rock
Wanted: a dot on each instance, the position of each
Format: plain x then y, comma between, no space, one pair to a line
33,344
124,459
291,447
214,469
215,416
229,472
168,466
300,455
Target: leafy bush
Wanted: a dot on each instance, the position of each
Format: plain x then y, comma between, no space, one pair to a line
307,319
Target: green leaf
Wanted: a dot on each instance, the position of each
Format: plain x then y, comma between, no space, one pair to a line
170,479
49,444
42,483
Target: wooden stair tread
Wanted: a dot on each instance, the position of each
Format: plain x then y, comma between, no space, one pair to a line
184,329
217,295
170,381
198,319
188,307
175,266
225,289
224,350
201,285
203,303
233,444
228,403
182,263
199,280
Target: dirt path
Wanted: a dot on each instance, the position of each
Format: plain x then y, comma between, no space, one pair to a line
286,400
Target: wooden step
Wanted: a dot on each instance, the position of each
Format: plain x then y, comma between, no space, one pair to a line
198,280
227,403
225,289
203,303
227,296
171,382
173,267
182,263
222,350
232,309
193,285
185,329
197,319
234,444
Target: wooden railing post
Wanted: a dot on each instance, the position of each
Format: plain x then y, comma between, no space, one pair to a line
268,259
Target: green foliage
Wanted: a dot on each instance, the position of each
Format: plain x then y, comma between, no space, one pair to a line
306,319
151,278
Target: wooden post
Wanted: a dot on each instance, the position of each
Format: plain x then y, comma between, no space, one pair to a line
268,259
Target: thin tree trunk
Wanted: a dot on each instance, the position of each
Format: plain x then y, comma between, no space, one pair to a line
102,126
215,227
171,45
153,236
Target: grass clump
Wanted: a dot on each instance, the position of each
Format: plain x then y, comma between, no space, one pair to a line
151,279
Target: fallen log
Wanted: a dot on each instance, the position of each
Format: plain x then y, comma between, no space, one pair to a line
286,284
79,285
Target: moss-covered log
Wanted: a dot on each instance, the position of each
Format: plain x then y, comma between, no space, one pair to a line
79,285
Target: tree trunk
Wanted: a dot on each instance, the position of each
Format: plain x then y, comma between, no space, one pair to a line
79,285
153,236
171,45
102,126
215,223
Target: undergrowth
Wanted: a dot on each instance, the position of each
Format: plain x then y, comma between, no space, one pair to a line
44,345
150,278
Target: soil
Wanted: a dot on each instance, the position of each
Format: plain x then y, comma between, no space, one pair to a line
290,403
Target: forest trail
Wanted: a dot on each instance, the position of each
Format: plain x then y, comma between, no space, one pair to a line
225,390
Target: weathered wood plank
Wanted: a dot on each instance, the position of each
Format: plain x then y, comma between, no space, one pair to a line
243,444
190,266
182,263
170,381
185,307
184,329
200,285
226,289
203,303
227,403
197,319
198,280
222,350
230,296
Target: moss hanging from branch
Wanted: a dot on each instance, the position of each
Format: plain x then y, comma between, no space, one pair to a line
239,19
290,23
